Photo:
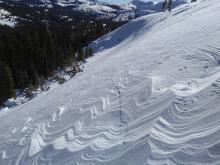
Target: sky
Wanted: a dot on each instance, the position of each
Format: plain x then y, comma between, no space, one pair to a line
124,1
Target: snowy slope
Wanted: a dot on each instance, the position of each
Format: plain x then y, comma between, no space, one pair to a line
150,96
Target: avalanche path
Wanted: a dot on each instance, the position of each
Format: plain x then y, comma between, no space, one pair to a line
150,96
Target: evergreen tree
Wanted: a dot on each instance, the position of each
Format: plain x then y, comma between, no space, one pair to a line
6,83
81,55
33,51
33,75
90,52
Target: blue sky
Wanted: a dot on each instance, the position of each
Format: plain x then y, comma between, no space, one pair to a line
124,1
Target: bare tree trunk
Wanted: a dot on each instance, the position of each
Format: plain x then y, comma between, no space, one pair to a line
167,5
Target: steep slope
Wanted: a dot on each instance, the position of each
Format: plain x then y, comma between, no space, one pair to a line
149,96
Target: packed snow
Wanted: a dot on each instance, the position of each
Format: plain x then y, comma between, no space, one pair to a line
150,96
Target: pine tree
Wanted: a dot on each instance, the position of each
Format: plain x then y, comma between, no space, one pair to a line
33,51
81,55
33,75
6,83
90,52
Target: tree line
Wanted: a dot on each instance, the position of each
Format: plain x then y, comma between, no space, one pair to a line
31,52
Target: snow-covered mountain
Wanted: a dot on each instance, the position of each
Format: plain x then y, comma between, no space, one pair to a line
87,6
117,12
150,95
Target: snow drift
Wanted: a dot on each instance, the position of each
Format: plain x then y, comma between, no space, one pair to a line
151,95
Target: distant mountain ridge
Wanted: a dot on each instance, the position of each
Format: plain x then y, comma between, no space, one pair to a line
91,8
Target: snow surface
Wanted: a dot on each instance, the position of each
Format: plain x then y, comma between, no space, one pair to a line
49,84
150,96
7,19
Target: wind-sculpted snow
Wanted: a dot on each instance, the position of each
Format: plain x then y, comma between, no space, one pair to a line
151,99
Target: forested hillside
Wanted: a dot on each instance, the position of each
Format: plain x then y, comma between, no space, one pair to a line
32,50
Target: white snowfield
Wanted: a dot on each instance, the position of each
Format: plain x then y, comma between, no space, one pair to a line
150,96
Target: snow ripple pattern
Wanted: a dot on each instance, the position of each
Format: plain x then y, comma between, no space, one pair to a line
135,104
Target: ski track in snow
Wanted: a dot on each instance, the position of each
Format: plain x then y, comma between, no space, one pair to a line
153,98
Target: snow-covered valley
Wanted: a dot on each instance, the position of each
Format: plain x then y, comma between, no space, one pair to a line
150,96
